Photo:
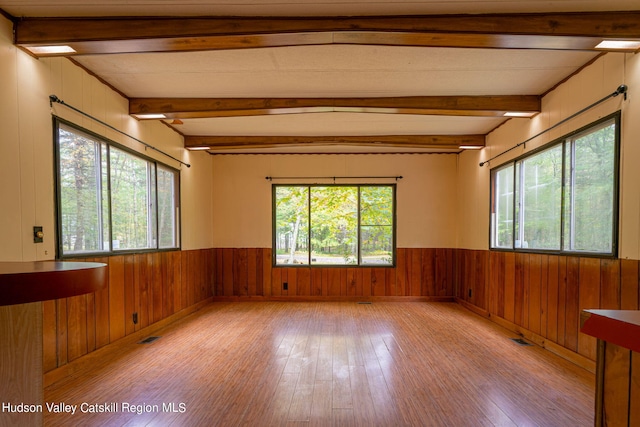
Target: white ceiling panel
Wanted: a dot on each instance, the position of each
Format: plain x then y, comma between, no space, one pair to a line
343,124
336,71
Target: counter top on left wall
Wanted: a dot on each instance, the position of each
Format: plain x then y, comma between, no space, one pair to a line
24,282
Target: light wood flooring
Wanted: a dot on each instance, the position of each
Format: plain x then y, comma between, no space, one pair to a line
326,364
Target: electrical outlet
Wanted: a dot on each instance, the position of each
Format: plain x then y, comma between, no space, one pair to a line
38,234
135,318
285,286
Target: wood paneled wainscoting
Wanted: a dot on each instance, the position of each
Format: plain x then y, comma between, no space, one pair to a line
424,273
159,287
541,296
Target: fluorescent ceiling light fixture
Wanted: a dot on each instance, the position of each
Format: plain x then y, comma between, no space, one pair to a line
197,148
150,116
50,50
619,44
471,147
519,114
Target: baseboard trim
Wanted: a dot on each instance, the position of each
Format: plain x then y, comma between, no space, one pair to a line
557,349
335,299
89,360
477,310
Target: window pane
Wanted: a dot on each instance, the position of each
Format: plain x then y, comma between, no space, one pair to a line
131,197
334,225
540,200
292,225
376,225
502,211
591,199
82,193
167,215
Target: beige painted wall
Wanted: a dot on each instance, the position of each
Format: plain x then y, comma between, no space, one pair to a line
443,201
592,84
426,196
26,148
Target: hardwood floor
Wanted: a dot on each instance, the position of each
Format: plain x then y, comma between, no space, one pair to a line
329,363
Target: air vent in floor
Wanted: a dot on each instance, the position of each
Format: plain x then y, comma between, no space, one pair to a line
520,341
148,340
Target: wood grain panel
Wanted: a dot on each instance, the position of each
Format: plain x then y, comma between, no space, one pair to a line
519,285
544,294
535,290
629,279
496,282
552,299
616,385
634,392
241,266
415,275
76,327
252,270
390,282
509,290
378,284
49,356
129,292
609,285
247,272
141,283
572,314
154,285
21,365
562,299
61,332
589,282
157,285
401,271
303,284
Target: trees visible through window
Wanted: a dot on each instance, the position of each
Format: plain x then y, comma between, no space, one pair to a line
334,225
110,199
562,198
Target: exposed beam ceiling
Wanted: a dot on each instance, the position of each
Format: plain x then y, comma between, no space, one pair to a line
215,143
479,91
565,31
189,108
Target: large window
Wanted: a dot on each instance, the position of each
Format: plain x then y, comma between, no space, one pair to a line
110,199
562,198
334,225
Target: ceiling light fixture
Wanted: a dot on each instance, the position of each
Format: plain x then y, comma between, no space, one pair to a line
150,116
471,147
619,44
50,50
197,148
519,114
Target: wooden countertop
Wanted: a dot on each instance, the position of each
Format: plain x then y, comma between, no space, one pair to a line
23,282
620,327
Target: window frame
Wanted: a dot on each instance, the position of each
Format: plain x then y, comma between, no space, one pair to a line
108,222
566,142
359,227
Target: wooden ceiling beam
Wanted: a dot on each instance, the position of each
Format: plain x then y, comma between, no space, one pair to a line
188,108
170,34
218,142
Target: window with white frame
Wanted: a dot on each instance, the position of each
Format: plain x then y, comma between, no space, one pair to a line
561,198
111,199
